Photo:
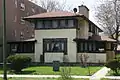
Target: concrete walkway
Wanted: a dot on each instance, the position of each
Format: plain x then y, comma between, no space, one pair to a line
43,76
99,74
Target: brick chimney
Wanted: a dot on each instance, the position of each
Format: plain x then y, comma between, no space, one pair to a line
84,10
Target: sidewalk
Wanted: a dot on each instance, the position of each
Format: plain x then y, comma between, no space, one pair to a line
43,76
99,74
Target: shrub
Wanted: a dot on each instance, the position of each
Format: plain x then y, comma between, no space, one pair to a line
18,62
114,65
65,74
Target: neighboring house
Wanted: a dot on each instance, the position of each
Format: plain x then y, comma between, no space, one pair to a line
16,28
64,36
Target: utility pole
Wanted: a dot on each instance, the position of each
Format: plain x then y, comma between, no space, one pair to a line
4,40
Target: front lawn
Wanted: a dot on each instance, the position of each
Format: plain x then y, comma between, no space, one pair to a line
47,70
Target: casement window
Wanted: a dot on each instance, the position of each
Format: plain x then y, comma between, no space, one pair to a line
40,25
25,47
70,23
55,45
90,46
48,24
22,6
63,23
54,24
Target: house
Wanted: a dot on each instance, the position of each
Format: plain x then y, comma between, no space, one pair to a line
64,36
16,28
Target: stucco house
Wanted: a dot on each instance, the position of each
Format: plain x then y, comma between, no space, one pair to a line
64,36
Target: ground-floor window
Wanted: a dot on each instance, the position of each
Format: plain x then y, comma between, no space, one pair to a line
22,47
55,45
90,46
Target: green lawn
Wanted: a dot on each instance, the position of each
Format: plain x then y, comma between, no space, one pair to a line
47,70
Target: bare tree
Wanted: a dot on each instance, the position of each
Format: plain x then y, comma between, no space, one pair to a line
54,5
108,16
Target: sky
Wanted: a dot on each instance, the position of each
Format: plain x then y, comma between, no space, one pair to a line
89,3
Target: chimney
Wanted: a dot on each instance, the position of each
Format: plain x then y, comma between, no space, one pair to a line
84,10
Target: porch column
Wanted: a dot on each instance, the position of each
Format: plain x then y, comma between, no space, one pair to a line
110,54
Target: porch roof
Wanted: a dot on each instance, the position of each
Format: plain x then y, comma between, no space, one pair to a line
100,39
27,40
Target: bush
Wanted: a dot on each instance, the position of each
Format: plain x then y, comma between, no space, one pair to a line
18,62
114,65
65,74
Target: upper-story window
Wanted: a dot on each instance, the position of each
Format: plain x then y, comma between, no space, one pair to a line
64,23
22,6
70,23
15,19
47,24
21,35
93,29
54,24
15,1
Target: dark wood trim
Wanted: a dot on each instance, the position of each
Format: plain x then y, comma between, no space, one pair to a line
55,28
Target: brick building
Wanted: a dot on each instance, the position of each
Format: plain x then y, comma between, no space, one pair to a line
16,28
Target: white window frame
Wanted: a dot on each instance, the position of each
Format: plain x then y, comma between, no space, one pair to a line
22,6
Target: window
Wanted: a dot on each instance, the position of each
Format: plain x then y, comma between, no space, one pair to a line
40,24
90,46
22,21
21,35
55,45
48,24
70,23
14,33
54,24
22,6
90,27
62,23
25,47
15,3
15,19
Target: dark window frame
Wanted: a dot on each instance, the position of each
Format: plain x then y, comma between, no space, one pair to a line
55,41
58,24
97,46
23,47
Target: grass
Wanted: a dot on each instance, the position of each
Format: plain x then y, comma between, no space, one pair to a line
47,70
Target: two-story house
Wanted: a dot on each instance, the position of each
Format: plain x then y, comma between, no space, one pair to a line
64,36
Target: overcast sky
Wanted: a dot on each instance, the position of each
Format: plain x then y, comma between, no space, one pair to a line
89,3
